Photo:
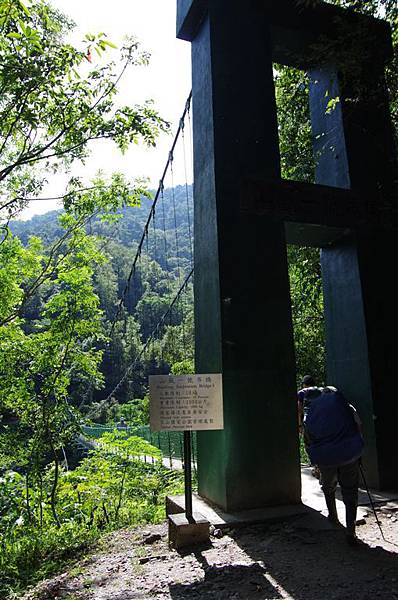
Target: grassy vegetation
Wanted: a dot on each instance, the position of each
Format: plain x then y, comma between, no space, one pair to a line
111,488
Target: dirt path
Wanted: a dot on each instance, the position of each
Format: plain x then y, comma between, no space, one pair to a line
297,559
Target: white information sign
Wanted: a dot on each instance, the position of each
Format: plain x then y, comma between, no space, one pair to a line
186,402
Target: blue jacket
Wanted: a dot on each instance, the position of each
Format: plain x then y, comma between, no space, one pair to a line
332,433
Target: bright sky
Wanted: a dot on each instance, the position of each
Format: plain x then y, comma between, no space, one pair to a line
166,81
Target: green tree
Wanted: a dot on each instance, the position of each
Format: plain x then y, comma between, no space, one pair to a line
307,311
38,368
54,100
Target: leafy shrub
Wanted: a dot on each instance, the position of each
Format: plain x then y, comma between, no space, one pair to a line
113,487
32,554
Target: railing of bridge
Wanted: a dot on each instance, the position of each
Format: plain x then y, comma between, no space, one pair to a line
171,443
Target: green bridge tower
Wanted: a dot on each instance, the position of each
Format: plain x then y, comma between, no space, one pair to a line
245,214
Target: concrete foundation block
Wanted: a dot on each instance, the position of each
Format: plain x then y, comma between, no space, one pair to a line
184,532
175,505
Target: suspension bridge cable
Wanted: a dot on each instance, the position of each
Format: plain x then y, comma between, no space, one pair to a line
158,326
175,220
152,210
166,255
154,238
187,195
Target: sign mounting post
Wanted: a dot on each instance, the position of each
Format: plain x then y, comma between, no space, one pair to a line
186,403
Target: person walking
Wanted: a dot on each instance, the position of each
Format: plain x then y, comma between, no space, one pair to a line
334,443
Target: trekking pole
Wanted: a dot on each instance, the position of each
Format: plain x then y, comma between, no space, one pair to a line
371,501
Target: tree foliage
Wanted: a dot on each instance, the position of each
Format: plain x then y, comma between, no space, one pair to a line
54,100
110,488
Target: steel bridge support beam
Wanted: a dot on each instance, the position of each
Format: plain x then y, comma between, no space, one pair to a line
242,310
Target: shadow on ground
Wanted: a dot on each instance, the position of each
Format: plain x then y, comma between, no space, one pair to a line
235,581
302,560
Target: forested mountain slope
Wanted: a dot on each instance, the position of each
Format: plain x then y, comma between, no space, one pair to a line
164,262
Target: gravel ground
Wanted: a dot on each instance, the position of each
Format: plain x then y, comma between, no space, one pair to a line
298,559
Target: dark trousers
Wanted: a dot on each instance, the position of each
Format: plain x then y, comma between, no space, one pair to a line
348,478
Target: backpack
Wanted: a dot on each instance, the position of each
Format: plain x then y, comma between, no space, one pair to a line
306,396
331,432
